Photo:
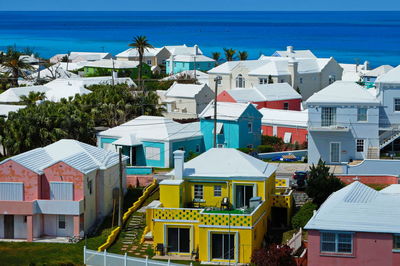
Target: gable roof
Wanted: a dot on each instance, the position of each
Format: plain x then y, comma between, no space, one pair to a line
358,208
376,72
79,155
185,90
88,56
154,128
227,67
226,110
229,163
343,92
284,117
393,76
277,91
295,53
133,52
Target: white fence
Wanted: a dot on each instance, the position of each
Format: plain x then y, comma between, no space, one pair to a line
94,258
295,241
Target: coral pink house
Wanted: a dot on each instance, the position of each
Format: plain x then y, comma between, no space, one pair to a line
60,190
291,126
275,96
356,225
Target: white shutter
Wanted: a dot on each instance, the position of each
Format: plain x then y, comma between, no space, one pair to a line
61,191
287,137
12,191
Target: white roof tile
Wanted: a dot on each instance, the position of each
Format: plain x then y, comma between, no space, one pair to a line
358,208
133,52
284,117
225,110
376,72
185,90
109,63
393,76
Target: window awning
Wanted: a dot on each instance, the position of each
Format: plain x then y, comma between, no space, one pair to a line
287,137
129,140
220,127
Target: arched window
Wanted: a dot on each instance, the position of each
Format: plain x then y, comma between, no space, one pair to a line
240,81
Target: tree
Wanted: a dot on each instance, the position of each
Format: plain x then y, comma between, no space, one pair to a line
301,218
229,54
298,90
33,97
243,55
216,56
141,44
321,183
274,255
15,65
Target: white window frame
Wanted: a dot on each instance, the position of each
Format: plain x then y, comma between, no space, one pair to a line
396,105
328,116
197,148
240,81
198,191
396,241
61,219
360,116
336,242
217,191
263,81
330,151
153,153
363,145
148,61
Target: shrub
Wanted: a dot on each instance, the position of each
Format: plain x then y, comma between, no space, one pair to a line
276,255
265,148
305,213
245,150
271,140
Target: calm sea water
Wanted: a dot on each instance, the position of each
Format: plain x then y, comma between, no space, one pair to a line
347,36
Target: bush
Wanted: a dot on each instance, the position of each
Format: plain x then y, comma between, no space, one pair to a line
305,213
276,255
271,140
265,148
245,150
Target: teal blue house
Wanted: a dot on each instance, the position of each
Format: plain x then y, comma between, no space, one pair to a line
151,140
180,63
238,125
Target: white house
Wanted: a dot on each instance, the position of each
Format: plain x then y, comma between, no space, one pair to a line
151,56
291,52
186,100
75,57
309,75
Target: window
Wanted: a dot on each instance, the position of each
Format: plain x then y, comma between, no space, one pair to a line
198,191
250,146
263,80
64,190
181,148
243,195
153,153
332,78
337,242
12,191
282,80
328,116
240,81
362,114
219,81
220,145
250,127
360,145
149,62
25,219
217,191
223,246
397,104
164,61
285,106
396,241
197,148
301,80
90,187
178,240
335,152
61,221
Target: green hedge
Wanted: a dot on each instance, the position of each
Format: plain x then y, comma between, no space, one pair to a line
305,213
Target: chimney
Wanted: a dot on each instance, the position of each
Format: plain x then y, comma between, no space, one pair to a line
366,65
289,50
171,64
293,70
179,157
196,49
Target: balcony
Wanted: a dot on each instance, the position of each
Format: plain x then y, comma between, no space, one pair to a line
209,217
317,127
63,207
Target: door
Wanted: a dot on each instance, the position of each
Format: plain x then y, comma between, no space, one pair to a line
8,226
335,152
62,225
223,246
243,195
178,240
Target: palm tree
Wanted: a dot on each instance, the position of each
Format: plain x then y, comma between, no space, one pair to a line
229,54
243,55
216,56
15,65
141,44
33,97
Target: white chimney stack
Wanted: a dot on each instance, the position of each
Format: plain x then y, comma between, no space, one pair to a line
179,157
196,49
171,66
289,50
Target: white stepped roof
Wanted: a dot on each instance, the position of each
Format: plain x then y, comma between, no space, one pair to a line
88,56
110,63
154,128
296,54
79,155
393,76
184,90
284,117
376,72
200,76
133,52
359,208
5,109
265,92
227,67
225,110
229,163
183,50
343,92
54,71
192,58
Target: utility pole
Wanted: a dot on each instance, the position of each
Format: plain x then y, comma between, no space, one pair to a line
121,192
112,74
217,79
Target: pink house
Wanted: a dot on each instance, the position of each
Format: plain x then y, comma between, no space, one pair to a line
289,125
275,96
60,190
356,225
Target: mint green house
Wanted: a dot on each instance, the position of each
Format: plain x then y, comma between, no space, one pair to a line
180,63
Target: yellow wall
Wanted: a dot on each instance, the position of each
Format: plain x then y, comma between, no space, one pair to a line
171,196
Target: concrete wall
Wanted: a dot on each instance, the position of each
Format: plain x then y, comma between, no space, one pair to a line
374,167
388,118
369,249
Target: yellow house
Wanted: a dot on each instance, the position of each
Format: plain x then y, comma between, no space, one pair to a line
216,207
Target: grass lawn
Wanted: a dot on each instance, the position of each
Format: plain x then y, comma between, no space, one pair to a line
24,253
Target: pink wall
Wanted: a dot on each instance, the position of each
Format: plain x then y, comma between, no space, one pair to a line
225,97
144,180
298,134
369,249
62,172
11,171
386,180
16,207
